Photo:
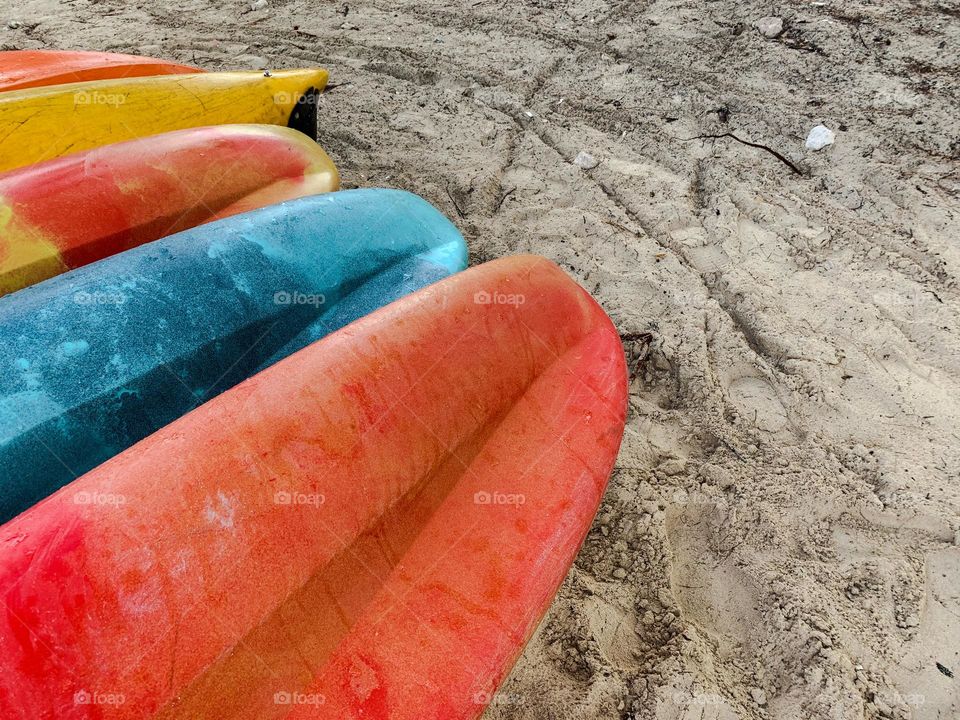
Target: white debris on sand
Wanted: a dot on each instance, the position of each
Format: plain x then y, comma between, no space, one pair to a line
819,138
585,160
770,26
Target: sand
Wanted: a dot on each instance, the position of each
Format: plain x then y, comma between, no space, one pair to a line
780,536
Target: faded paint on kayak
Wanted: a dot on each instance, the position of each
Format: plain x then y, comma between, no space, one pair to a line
21,69
38,124
98,358
371,528
71,211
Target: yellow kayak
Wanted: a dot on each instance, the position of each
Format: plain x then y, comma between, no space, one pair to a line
43,123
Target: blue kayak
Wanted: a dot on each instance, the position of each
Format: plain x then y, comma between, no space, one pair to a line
97,359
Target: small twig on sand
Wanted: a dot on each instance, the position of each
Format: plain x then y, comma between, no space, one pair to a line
732,449
459,210
760,146
503,197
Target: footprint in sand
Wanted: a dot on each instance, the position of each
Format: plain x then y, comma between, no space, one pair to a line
757,400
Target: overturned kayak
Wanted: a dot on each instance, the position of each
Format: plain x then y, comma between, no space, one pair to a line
71,211
21,69
372,528
100,357
38,124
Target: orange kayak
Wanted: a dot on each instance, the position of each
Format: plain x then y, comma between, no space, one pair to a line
36,68
67,212
371,528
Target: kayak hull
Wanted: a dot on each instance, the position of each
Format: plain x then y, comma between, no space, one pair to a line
21,69
371,528
71,211
100,357
39,124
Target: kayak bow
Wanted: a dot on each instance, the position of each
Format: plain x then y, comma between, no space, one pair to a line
372,528
100,357
38,124
20,69
71,211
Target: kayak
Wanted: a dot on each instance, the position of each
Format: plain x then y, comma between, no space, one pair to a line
71,211
38,124
96,359
372,528
21,69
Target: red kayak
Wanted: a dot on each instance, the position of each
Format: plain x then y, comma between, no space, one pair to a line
371,528
36,68
71,211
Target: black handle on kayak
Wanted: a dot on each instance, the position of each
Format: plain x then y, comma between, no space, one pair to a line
304,114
